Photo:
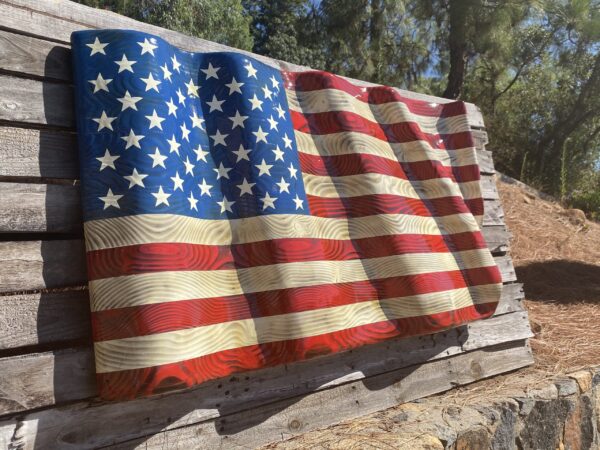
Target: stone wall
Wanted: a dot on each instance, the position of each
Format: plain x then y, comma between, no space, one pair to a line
560,414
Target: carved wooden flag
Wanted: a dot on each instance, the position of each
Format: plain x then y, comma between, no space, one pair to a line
239,217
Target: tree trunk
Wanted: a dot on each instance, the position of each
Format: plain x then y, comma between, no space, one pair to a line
457,43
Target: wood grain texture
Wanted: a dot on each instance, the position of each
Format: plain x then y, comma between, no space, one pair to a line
56,20
39,208
44,318
77,425
32,153
36,102
30,265
29,207
27,55
253,388
66,375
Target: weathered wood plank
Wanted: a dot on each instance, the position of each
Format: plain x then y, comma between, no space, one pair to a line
36,102
34,153
56,208
486,161
30,265
39,379
44,318
283,420
26,55
489,191
56,20
26,207
21,393
78,426
497,238
511,300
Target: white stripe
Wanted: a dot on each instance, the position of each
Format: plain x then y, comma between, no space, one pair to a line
181,345
160,287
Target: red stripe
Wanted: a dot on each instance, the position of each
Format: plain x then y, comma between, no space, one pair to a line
369,205
360,163
340,121
315,80
170,316
154,380
145,258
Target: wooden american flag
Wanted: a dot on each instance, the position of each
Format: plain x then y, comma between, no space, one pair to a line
239,217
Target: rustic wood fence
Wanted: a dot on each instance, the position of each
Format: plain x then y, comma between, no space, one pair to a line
47,388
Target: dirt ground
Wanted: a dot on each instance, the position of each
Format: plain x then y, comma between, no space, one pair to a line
557,256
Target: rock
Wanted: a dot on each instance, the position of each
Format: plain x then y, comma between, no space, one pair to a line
583,378
473,439
566,387
575,216
542,427
547,392
579,426
416,442
505,433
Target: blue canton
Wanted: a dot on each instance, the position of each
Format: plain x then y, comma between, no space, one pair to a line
206,135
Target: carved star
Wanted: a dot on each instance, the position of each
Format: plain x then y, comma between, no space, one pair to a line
245,187
155,120
158,159
211,72
193,202
283,186
177,182
192,89
200,154
197,121
147,46
256,103
268,201
132,140
225,205
264,168
185,133
111,199
278,153
238,120
166,72
161,197
174,145
128,101
104,121
135,179
97,47
176,64
261,136
125,64
219,138
242,153
172,107
107,160
287,141
151,83
251,70
204,188
298,202
234,86
267,92
100,84
273,123
189,167
222,171
215,104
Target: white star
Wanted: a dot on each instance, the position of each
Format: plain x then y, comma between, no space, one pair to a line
172,107
222,171
197,121
111,199
278,153
161,196
125,64
192,201
135,178
218,138
166,72
234,86
107,160
180,97
215,104
132,140
104,121
298,202
263,168
245,187
204,188
280,111
283,186
192,89
151,83
100,84
273,123
211,72
293,171
251,70
267,93
155,120
128,101
176,64
158,159
268,201
200,154
238,120
274,82
147,46
174,145
97,47
287,141
189,167
225,205
185,133
177,182
242,153
256,103
260,135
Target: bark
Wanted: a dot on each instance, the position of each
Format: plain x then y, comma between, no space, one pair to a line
457,44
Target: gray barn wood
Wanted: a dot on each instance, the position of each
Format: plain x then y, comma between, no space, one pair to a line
47,389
